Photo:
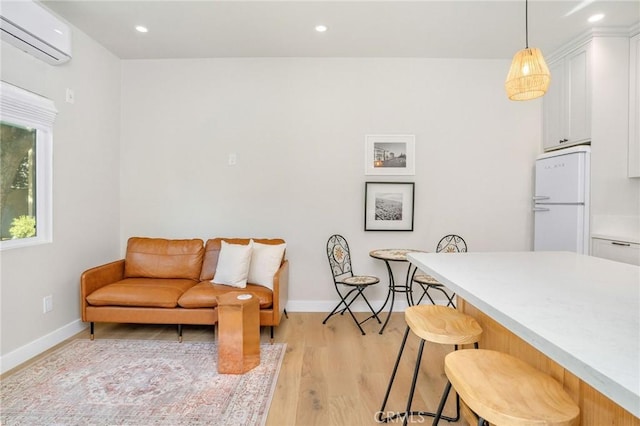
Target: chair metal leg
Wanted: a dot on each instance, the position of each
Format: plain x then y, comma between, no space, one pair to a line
342,301
347,307
374,314
91,335
451,302
355,320
430,287
425,292
449,298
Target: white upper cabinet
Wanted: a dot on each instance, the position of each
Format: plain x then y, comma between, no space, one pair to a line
634,106
567,104
578,124
553,109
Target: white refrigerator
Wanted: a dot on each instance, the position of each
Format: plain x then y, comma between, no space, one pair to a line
561,200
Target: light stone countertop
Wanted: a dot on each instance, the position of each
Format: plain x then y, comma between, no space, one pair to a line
581,311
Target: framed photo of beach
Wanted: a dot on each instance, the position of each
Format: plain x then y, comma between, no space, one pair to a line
388,206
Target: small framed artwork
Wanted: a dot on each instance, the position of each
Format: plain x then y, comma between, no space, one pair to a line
390,155
388,206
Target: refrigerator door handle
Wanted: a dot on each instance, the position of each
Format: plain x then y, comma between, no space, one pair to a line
540,197
540,209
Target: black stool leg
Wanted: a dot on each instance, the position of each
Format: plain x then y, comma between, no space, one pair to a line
443,401
413,382
393,376
406,414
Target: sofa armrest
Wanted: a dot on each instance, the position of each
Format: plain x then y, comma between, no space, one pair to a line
280,290
94,278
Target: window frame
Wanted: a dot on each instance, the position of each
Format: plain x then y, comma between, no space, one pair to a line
23,108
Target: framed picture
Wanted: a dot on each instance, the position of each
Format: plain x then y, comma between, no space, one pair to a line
388,206
390,155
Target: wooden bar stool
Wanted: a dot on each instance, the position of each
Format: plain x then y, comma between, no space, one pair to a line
506,391
436,324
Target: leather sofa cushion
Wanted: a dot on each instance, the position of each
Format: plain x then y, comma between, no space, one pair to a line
205,295
212,251
161,258
141,292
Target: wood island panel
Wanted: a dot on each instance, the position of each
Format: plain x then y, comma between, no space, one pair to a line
595,408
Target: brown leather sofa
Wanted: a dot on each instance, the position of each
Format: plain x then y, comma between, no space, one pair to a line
164,281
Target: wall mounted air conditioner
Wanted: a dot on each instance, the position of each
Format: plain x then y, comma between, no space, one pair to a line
33,29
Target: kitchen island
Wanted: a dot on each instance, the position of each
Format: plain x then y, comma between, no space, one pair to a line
573,316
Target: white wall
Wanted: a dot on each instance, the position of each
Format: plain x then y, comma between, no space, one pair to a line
86,200
298,126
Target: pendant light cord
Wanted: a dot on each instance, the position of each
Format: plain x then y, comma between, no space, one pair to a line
526,23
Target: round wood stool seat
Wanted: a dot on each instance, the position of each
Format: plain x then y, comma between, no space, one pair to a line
441,324
504,390
435,324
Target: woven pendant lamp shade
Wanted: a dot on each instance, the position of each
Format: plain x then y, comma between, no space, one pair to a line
528,76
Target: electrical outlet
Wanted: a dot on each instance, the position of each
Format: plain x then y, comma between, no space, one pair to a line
47,304
233,160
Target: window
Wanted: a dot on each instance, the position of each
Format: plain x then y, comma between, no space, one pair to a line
26,128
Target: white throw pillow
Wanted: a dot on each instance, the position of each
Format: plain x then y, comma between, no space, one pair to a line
233,264
265,261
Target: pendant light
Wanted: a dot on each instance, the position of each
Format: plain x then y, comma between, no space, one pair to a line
529,75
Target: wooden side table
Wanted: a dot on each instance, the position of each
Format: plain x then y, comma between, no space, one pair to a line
238,333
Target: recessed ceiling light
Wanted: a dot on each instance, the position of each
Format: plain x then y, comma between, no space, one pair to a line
321,28
142,29
596,18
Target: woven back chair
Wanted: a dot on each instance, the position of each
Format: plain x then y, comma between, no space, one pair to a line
448,244
348,285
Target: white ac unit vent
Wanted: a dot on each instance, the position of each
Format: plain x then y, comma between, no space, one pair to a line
33,29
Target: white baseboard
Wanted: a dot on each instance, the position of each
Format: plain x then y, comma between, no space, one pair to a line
399,305
28,351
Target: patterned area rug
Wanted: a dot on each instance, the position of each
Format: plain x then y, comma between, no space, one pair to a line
139,382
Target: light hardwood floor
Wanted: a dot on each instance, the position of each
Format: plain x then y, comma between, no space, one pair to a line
331,374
